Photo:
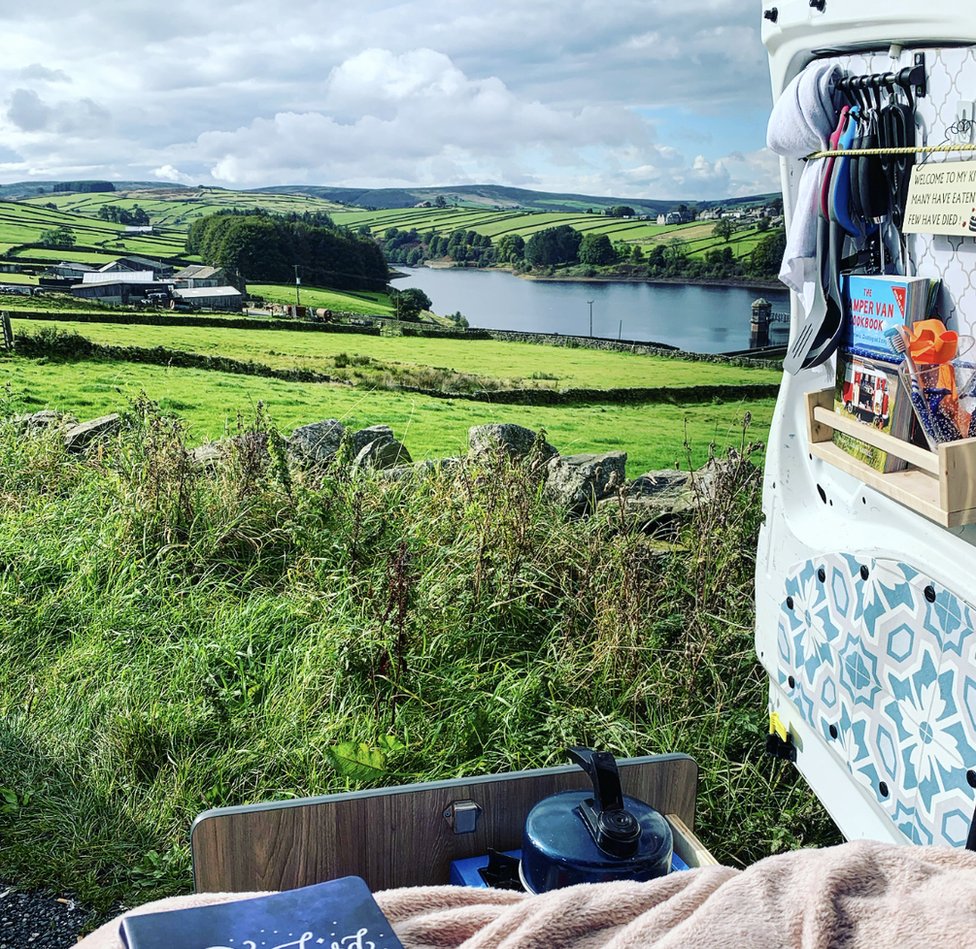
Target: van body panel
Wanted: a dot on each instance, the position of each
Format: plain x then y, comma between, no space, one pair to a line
900,765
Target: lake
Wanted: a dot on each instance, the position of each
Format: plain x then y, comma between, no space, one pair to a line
697,318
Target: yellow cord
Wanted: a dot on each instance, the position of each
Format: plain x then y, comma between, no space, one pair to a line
900,150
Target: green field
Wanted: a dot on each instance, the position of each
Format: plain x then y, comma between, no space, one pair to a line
178,207
23,223
360,301
565,367
652,435
173,211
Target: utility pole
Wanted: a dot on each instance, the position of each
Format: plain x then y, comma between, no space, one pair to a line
591,317
298,284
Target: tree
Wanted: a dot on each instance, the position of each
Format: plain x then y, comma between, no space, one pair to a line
621,210
267,248
764,261
511,248
408,304
597,250
59,237
724,228
440,201
553,246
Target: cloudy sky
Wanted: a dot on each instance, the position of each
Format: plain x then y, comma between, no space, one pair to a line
641,98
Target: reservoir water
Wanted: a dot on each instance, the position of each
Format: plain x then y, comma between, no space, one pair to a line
692,317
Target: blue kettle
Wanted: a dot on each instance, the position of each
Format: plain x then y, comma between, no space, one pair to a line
593,836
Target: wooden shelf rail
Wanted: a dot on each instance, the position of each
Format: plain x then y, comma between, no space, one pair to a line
938,485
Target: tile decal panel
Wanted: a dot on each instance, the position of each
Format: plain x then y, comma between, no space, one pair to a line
881,662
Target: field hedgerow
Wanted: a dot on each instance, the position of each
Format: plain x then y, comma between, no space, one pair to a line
173,639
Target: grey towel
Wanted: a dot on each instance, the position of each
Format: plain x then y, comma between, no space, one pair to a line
800,123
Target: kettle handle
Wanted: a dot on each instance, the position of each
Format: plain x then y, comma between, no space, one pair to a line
601,767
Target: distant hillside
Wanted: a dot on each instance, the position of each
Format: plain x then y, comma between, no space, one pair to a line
31,189
495,196
482,196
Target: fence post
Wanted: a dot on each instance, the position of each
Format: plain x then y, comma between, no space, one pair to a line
8,331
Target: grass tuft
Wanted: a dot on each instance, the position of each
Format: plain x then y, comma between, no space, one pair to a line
176,639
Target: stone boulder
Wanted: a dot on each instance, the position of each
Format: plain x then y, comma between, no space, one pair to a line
78,437
421,469
382,453
41,421
578,482
359,440
659,497
515,440
317,443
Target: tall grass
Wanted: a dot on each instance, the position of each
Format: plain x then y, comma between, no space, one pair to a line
173,639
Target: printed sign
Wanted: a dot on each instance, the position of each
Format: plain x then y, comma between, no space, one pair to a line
942,199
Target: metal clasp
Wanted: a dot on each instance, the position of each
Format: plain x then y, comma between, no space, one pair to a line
463,816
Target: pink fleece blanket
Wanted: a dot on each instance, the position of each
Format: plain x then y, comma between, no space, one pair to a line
861,894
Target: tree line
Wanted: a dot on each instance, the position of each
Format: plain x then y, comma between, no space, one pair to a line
265,248
563,246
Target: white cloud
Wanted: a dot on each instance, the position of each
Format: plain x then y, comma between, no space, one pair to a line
392,93
169,173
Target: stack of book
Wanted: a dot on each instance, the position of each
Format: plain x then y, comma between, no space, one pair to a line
868,387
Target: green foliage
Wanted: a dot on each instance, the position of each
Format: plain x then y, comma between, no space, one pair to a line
724,228
410,303
511,248
597,250
267,248
466,247
553,246
121,215
768,253
176,639
58,237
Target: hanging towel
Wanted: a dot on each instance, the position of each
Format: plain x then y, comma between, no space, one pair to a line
800,123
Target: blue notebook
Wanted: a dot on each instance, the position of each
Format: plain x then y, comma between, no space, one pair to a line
339,914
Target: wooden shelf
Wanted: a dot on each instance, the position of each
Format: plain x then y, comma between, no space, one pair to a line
938,485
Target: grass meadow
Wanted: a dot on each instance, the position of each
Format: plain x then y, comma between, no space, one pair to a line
373,357
210,402
175,641
362,302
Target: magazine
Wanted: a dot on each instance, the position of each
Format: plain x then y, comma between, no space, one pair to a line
340,914
871,391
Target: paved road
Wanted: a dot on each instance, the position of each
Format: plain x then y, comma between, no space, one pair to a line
40,920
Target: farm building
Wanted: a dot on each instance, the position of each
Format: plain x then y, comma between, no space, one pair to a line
65,271
198,275
213,298
121,287
134,264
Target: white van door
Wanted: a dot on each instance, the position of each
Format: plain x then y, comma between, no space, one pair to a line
866,582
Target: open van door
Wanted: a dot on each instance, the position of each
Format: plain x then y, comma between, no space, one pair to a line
866,582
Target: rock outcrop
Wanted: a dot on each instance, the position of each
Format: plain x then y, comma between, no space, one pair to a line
318,442
78,437
515,440
578,482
